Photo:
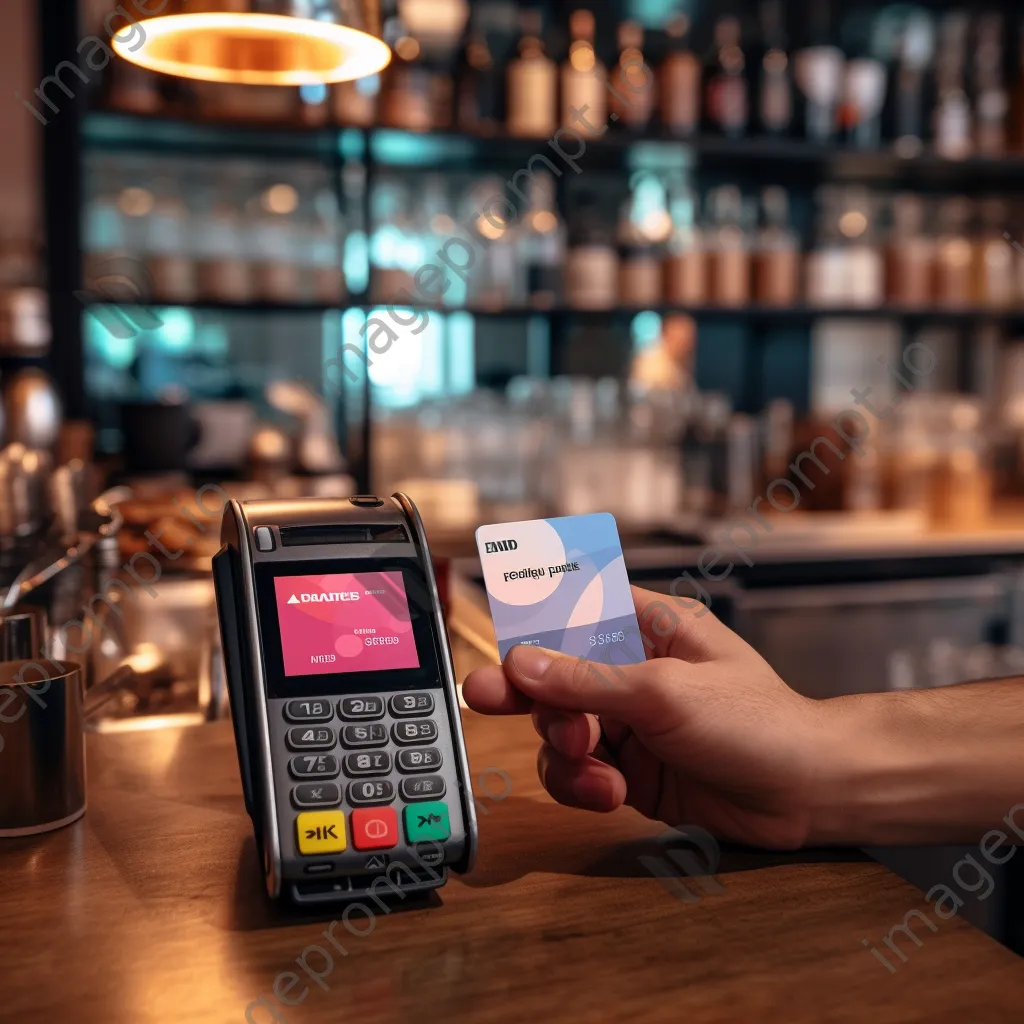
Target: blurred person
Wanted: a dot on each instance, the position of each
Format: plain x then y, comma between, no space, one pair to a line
668,363
705,733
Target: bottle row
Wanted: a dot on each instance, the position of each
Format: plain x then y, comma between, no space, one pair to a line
672,246
656,458
239,232
225,232
903,76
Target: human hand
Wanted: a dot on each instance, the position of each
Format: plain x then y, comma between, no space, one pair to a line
704,733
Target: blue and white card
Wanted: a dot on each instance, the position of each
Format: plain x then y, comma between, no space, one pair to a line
561,584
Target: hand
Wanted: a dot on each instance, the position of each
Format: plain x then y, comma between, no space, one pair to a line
704,733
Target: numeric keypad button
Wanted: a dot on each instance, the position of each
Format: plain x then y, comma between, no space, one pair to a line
422,787
317,794
308,711
426,760
307,737
411,705
360,709
365,794
370,763
355,736
406,734
310,766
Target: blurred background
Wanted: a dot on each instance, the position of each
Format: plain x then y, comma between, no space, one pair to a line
766,207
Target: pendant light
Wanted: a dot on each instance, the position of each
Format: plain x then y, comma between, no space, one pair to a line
257,42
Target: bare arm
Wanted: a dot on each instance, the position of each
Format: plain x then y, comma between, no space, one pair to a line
705,733
925,766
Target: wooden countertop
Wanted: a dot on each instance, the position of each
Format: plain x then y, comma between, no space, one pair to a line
151,909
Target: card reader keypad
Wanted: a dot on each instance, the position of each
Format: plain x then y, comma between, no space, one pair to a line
377,761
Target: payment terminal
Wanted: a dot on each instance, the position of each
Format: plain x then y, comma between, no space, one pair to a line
343,696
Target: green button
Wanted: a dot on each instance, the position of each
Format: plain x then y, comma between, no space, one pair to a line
427,821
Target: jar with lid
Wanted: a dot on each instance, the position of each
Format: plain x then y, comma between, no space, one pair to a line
730,246
910,255
954,254
169,257
222,242
592,265
686,261
963,484
995,284
777,263
863,264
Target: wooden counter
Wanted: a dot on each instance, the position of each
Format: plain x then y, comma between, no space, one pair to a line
151,909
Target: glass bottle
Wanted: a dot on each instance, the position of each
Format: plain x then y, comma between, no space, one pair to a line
953,128
393,249
686,262
729,246
775,89
777,264
591,266
276,238
992,101
825,266
321,248
910,256
633,88
679,82
225,273
818,70
584,80
863,261
995,284
168,242
406,101
726,91
954,254
640,276
542,244
915,49
532,85
477,91
864,101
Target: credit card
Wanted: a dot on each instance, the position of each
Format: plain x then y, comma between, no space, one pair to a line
561,584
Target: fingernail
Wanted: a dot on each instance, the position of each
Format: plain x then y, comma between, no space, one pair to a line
530,662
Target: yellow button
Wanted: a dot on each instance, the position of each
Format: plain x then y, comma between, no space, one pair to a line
321,832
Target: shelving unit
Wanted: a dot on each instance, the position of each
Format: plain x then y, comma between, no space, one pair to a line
748,339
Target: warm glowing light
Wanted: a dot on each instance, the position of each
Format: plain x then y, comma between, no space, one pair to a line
280,199
582,57
135,202
407,48
544,221
853,224
489,229
253,49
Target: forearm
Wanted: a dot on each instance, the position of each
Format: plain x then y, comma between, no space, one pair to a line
926,766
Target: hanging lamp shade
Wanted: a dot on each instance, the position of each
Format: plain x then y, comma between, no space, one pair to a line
257,42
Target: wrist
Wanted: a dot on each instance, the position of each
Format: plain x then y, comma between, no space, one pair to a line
905,768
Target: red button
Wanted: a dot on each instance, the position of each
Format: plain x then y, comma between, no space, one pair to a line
374,828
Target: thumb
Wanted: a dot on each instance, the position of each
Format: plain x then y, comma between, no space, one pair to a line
638,695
